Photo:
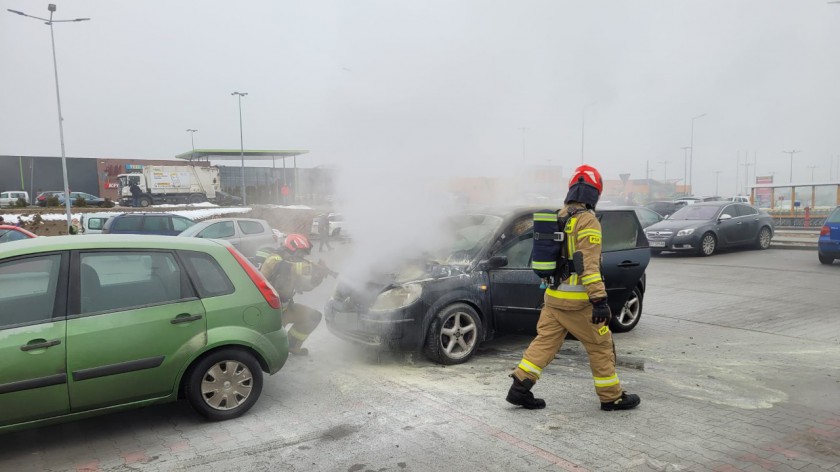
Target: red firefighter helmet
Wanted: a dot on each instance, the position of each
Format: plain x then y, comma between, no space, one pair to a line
297,242
588,175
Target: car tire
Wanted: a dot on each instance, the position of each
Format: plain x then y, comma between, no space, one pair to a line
763,239
223,377
827,260
336,232
145,202
707,246
454,335
630,313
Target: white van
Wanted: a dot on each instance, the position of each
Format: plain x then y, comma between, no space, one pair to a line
92,223
740,199
10,197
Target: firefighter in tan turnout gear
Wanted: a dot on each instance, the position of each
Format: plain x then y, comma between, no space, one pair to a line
289,272
577,304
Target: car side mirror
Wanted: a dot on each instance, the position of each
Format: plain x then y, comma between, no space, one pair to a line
725,217
494,262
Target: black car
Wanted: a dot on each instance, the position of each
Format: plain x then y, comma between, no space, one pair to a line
704,227
165,224
449,301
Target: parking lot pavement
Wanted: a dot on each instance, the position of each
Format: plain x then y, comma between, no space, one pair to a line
736,360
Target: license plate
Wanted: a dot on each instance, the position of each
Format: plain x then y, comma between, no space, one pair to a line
657,243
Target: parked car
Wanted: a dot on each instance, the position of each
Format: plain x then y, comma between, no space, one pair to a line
705,227
336,221
646,216
166,224
9,233
665,208
10,197
740,199
829,242
447,302
104,323
245,234
92,223
90,200
41,199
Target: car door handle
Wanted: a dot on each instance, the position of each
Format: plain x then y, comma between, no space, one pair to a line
629,264
39,344
185,318
740,222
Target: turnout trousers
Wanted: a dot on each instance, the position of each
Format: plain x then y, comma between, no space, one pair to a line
552,327
304,320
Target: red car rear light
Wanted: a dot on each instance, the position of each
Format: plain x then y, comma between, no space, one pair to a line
262,284
825,231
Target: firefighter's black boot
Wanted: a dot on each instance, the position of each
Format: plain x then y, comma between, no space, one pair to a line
627,401
520,394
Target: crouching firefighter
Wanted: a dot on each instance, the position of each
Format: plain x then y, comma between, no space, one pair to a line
567,256
289,272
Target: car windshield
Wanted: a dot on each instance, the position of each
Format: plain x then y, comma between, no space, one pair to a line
695,212
466,235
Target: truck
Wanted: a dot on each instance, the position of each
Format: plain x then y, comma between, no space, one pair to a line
173,185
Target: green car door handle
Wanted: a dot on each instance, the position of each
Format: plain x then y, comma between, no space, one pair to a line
185,318
39,344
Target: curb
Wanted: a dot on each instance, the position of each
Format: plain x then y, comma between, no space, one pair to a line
796,246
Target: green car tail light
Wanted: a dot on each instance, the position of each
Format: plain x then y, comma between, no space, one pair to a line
262,284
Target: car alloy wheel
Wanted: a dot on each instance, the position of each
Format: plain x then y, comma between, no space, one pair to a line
707,244
630,313
224,384
764,238
454,334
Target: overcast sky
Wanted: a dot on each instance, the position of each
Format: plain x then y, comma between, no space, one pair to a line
448,83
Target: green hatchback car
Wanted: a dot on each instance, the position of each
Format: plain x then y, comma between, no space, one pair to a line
100,323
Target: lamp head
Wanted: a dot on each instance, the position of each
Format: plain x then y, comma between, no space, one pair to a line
51,7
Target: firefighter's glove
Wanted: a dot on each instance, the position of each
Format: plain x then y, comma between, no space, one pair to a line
600,311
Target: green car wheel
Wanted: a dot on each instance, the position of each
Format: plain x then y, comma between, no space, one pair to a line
224,384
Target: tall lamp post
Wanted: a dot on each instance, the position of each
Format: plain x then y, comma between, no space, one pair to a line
49,21
792,152
691,156
242,147
583,128
717,178
664,170
685,169
192,141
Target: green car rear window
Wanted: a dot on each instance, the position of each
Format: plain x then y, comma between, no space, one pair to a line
208,276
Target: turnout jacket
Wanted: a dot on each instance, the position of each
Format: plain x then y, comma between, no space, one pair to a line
290,275
583,234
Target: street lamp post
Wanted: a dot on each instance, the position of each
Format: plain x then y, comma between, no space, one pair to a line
812,172
664,170
49,21
792,152
242,147
685,169
717,178
691,157
192,141
583,128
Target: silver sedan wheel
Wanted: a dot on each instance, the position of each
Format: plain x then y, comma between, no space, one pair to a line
458,335
630,311
764,238
226,385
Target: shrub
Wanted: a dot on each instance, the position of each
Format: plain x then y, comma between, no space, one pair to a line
80,202
21,203
52,201
108,203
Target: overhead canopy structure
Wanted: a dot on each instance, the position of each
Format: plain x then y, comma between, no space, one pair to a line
234,154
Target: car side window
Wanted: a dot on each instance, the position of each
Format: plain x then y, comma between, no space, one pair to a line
12,235
220,230
746,210
180,223
620,230
209,278
127,223
647,217
251,227
156,224
731,210
518,253
115,281
28,289
96,223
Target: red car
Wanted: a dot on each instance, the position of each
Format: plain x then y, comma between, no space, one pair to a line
13,233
